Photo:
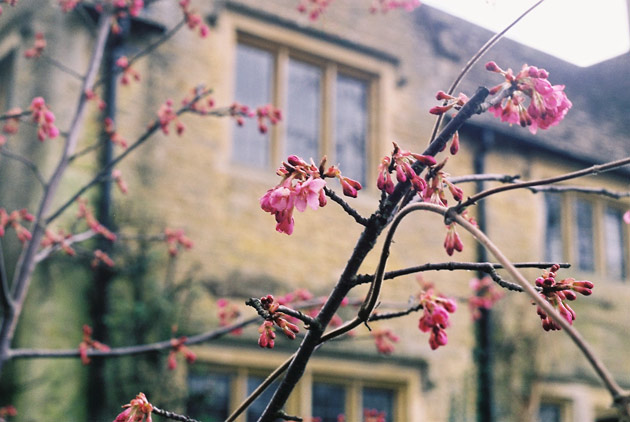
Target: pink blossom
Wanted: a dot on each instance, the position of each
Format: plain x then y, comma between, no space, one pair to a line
626,217
136,411
548,104
44,118
435,317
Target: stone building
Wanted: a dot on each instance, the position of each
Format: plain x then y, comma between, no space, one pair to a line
349,84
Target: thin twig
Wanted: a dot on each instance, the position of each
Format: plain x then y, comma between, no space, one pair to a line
8,116
346,207
26,162
580,189
130,350
61,66
391,315
172,415
141,140
503,178
486,267
474,59
596,169
616,391
47,251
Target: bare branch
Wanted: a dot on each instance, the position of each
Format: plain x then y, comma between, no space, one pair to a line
27,163
580,189
596,169
172,415
56,63
503,178
346,207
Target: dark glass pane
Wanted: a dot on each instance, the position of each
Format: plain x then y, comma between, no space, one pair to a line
208,396
329,401
553,228
584,235
258,406
6,66
615,244
379,400
550,413
303,111
351,127
254,75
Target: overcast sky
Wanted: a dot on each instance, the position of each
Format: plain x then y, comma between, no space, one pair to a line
578,31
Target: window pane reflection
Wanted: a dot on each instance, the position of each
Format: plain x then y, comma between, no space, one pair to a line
614,245
553,228
351,123
380,400
254,70
208,396
328,401
303,111
584,235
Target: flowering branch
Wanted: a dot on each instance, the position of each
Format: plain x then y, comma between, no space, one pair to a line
487,267
26,263
104,173
475,58
164,345
596,169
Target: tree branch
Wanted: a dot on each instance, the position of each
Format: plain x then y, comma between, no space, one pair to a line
596,169
580,189
346,207
27,163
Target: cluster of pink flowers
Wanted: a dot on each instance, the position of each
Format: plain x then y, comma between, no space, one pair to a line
267,113
266,330
193,19
89,344
99,256
166,115
52,239
548,104
435,318
302,186
38,47
9,410
401,161
314,8
384,340
44,119
228,313
626,217
86,213
557,293
114,137
386,5
136,411
129,72
10,2
176,239
485,295
15,220
178,346
437,183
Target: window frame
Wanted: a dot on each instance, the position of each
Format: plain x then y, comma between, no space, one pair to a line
286,42
352,374
569,235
